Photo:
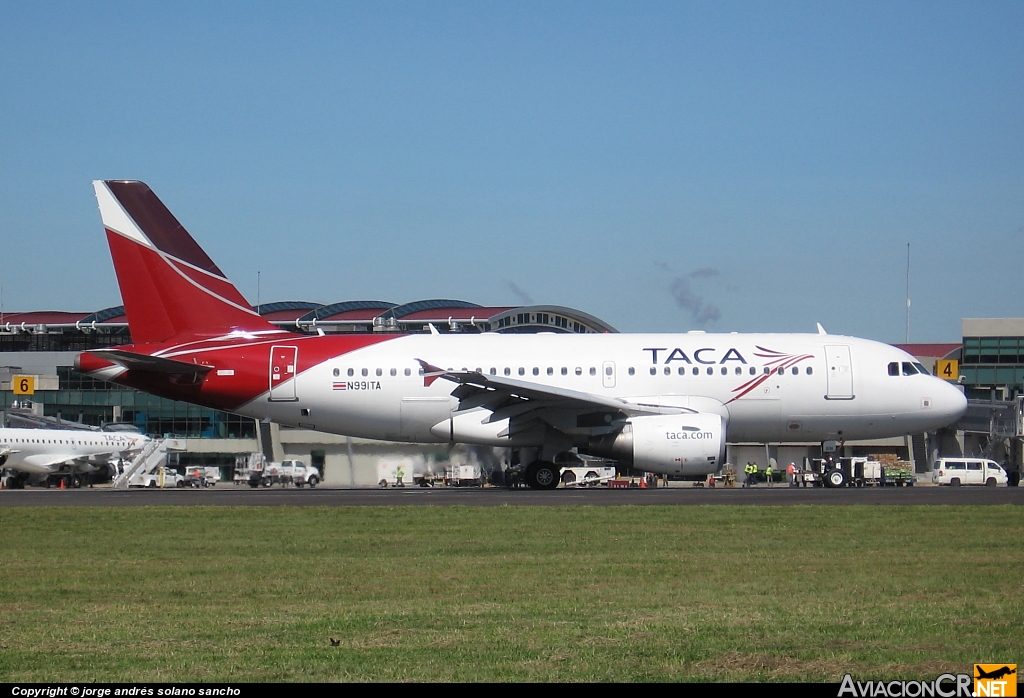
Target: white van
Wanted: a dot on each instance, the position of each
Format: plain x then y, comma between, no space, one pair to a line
968,471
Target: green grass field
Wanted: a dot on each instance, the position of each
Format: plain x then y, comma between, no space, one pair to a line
508,593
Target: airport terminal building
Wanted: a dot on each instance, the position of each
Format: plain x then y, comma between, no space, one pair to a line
988,362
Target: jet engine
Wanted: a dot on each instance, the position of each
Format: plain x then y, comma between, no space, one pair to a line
683,444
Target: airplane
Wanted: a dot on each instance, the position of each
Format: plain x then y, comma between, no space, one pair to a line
995,674
68,454
662,403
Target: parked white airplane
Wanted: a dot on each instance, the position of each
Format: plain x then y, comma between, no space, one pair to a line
664,403
68,453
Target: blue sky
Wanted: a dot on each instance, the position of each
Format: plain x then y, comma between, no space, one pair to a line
665,166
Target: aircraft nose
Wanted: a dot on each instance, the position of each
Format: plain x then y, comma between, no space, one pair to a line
950,403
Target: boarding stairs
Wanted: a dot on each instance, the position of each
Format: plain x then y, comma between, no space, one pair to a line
148,459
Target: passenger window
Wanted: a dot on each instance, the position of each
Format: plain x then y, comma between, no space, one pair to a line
494,371
366,371
631,371
973,465
668,371
607,370
380,372
508,371
696,371
894,368
795,370
522,371
551,371
711,371
565,371
408,372
753,370
739,371
394,372
908,369
682,371
351,372
767,370
593,371
653,370
337,372
725,371
579,371
809,370
536,371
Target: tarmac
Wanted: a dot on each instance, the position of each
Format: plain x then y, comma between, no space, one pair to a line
228,494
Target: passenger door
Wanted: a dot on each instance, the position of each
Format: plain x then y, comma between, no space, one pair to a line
284,363
840,372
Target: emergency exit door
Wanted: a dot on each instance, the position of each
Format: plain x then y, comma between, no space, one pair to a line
284,362
608,374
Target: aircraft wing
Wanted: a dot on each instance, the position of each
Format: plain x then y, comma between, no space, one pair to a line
509,397
151,364
48,460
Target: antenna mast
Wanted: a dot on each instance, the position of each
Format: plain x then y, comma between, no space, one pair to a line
908,293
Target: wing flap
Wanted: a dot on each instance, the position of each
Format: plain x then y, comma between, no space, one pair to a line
509,397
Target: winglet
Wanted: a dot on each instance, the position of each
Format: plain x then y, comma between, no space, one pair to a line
821,330
430,373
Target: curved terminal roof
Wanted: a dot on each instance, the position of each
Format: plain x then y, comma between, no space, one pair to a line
355,310
446,315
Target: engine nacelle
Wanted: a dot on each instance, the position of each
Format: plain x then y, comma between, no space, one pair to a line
683,444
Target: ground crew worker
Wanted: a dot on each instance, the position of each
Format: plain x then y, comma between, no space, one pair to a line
751,471
791,474
399,474
768,474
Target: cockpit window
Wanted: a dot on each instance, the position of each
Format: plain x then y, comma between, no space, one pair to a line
921,369
908,369
894,368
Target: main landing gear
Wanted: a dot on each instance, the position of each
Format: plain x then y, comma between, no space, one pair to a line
542,475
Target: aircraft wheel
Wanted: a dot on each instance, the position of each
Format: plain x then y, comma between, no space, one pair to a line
542,475
955,482
991,482
835,478
76,481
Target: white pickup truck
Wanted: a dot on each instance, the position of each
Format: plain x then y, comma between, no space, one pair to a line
297,473
171,478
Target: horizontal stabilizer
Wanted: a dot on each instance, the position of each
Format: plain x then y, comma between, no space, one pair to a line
150,364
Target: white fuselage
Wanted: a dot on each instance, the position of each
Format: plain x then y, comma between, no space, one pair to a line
47,451
831,386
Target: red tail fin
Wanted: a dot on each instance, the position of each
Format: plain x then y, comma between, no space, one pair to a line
170,287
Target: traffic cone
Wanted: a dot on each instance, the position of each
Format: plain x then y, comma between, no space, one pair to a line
62,483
